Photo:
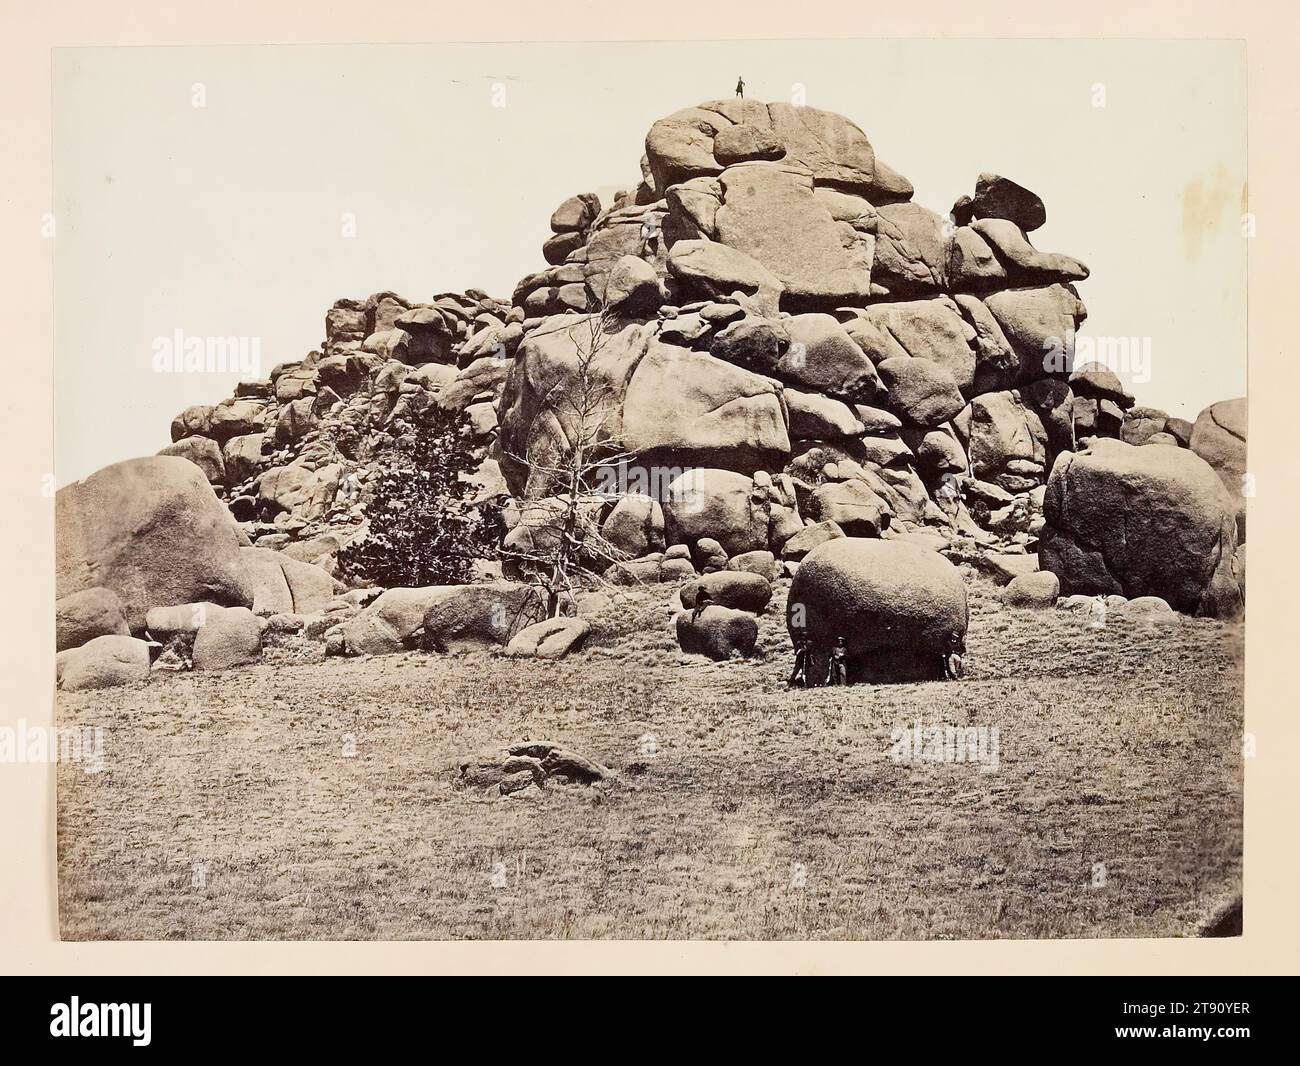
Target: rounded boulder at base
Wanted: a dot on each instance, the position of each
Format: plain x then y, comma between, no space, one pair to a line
899,608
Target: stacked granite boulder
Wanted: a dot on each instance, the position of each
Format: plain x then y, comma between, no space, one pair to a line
791,351
812,353
821,346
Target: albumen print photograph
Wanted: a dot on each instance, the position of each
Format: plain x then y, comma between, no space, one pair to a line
762,491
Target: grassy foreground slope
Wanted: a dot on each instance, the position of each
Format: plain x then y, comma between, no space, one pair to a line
230,806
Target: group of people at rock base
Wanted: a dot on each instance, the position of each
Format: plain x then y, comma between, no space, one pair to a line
837,663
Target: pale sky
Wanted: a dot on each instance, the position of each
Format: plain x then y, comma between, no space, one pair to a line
228,219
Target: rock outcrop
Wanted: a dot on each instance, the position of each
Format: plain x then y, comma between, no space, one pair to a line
775,349
805,302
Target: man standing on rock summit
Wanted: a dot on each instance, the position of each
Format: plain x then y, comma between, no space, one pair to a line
740,87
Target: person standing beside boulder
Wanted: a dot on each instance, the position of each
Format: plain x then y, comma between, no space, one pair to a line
799,675
838,673
953,667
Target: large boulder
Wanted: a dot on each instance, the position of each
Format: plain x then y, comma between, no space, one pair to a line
431,335
104,662
310,586
740,144
924,329
911,252
678,149
1143,609
85,615
762,563
551,638
182,620
718,632
754,343
817,417
391,620
153,532
1096,381
284,585
1135,521
741,513
808,538
852,506
833,149
632,286
227,639
1008,442
729,588
243,458
824,358
690,409
708,269
997,366
479,616
303,491
773,217
830,148
921,392
999,197
1040,325
1141,424
972,265
899,607
1023,263
1035,590
635,526
203,452
265,576
193,420
234,418
576,213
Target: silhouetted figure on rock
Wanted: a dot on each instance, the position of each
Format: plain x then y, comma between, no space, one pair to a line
740,88
702,600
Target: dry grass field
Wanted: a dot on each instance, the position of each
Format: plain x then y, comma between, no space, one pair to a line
308,799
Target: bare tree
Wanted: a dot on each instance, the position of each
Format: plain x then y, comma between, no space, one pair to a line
566,549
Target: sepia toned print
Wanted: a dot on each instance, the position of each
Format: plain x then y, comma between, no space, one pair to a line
782,557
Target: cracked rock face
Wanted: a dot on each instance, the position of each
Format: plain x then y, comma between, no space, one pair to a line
1140,521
